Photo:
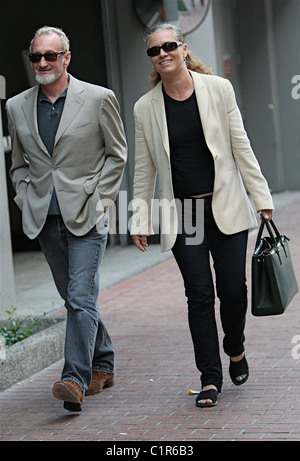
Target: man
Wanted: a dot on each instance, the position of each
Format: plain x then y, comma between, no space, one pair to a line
68,157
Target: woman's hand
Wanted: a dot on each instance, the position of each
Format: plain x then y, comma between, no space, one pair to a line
266,214
140,242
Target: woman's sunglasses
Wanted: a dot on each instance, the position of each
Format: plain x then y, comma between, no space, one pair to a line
50,56
167,47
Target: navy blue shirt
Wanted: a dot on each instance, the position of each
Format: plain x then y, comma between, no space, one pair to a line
49,115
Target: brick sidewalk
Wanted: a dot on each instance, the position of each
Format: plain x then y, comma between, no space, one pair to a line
146,316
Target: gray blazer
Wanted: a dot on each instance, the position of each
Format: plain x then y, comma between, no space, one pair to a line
87,164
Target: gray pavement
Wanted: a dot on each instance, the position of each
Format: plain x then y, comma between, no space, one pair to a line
144,310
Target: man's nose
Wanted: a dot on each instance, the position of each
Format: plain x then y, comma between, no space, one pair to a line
43,62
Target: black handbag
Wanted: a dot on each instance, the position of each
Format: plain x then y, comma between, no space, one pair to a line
273,279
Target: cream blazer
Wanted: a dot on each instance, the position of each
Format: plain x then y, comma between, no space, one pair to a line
88,158
236,168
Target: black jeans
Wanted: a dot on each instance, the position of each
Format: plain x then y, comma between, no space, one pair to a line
229,258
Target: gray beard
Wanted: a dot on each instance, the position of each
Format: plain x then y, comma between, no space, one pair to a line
47,80
52,78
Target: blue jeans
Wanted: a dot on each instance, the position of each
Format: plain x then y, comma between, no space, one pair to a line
74,263
229,257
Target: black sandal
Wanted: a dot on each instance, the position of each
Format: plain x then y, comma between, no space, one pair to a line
210,394
237,369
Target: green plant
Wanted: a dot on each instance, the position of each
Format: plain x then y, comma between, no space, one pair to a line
15,330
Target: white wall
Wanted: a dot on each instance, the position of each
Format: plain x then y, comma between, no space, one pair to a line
202,44
225,30
7,284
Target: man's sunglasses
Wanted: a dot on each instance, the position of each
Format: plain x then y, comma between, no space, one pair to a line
167,47
50,56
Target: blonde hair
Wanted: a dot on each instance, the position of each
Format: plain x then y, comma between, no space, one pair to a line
192,63
49,30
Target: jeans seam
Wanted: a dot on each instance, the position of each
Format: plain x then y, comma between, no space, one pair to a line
91,292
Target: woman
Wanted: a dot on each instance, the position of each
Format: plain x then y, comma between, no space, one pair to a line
190,133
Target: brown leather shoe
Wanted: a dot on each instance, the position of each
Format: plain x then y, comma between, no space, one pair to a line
70,393
100,380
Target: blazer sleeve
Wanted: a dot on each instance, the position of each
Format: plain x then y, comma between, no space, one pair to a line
244,156
143,184
115,147
19,171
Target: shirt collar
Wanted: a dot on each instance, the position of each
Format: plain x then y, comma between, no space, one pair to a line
43,97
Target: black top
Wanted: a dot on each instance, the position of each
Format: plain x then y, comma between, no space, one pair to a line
191,161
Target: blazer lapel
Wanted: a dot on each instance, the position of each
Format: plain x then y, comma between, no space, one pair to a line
72,106
30,112
160,115
202,99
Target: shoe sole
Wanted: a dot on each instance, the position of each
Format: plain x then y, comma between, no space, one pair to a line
72,406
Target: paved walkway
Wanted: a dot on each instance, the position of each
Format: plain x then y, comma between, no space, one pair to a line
146,316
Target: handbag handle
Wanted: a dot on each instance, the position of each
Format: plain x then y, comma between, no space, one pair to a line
265,222
280,238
